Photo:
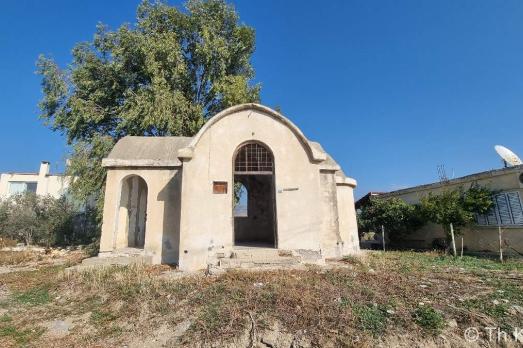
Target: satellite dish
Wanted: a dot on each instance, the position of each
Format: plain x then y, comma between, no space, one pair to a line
509,157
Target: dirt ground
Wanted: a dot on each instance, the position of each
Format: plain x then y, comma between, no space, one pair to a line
396,299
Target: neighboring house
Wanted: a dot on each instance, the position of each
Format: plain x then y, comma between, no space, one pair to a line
483,234
172,198
42,183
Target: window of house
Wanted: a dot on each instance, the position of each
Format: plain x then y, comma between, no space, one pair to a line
507,210
16,187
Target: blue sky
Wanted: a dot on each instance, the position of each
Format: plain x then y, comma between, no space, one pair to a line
390,88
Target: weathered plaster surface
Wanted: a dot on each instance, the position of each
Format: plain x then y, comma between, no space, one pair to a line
189,224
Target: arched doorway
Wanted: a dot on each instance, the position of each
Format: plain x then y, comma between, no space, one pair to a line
132,214
254,196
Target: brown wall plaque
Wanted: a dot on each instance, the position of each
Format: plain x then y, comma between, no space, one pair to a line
219,187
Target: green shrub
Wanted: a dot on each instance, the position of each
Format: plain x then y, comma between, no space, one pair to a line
371,318
429,319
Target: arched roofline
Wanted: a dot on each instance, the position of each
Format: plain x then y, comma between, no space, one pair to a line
314,154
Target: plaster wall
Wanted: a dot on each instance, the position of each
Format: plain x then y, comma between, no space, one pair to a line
347,222
207,218
163,212
331,243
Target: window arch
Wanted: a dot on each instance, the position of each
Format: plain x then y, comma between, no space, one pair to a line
253,158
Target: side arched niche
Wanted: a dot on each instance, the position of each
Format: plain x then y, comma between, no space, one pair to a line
132,212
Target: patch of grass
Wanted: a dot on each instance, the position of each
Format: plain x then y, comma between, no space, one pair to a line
344,302
338,278
5,318
210,316
18,257
111,331
372,318
351,259
33,297
407,261
220,310
429,319
22,337
99,317
496,303
329,305
7,242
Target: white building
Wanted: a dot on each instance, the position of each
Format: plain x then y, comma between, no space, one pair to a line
171,199
42,183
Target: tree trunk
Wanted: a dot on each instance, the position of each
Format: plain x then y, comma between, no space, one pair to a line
453,240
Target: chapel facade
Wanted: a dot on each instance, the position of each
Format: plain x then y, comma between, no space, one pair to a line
248,179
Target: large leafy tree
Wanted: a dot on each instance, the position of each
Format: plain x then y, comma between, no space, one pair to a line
164,75
394,214
457,207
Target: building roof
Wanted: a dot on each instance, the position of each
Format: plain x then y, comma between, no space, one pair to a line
136,151
366,199
461,180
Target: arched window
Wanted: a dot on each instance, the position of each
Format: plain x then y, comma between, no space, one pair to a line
253,158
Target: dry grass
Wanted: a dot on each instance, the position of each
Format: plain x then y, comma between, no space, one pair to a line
37,258
19,257
6,242
361,301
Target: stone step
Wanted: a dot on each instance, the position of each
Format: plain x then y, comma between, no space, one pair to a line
129,252
258,262
258,253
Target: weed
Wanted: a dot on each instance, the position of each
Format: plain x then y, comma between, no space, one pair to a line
371,317
429,319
